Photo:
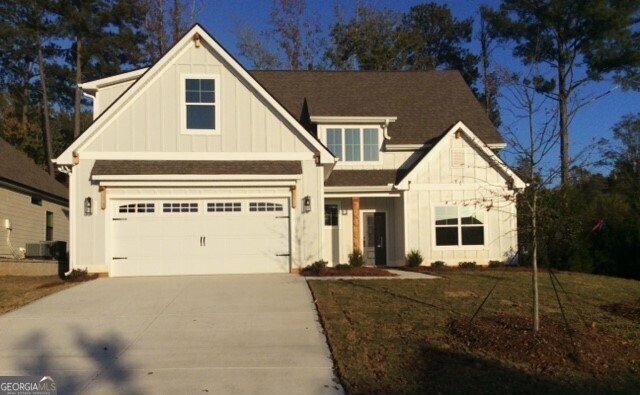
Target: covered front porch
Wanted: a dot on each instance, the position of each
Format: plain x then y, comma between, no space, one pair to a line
370,222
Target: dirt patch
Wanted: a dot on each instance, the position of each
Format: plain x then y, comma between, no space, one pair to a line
355,272
630,311
459,294
509,337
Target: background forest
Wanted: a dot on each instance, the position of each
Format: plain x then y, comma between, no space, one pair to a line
582,209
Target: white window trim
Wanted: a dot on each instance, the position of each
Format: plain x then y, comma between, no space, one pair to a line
322,134
183,104
460,246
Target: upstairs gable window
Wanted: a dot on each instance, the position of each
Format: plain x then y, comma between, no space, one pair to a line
354,144
200,103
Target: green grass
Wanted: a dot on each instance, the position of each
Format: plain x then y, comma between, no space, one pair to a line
390,336
17,291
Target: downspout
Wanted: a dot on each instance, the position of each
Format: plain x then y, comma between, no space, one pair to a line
385,129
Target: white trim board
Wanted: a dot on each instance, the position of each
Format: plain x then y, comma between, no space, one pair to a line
212,156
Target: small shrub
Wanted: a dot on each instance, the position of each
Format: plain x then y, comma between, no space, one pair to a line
343,266
496,263
466,265
414,258
77,275
316,267
437,264
356,259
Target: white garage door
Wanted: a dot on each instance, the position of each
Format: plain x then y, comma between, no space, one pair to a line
185,237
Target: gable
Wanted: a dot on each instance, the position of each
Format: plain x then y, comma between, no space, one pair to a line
148,116
460,157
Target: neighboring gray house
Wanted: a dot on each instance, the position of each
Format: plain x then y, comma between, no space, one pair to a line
197,166
33,206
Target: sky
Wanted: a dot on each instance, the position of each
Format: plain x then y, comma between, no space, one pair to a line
591,123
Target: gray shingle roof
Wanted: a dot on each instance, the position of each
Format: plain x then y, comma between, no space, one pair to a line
427,103
194,167
17,168
359,178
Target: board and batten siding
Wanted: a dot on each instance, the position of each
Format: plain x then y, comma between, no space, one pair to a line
107,95
151,122
476,183
28,221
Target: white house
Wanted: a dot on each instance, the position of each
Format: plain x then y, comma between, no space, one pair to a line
197,166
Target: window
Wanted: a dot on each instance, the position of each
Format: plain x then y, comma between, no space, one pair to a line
371,147
223,207
265,206
354,144
334,142
49,227
331,215
179,207
200,103
459,226
137,208
36,200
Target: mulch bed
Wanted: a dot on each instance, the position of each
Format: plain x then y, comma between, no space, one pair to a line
353,272
431,270
78,279
509,337
630,311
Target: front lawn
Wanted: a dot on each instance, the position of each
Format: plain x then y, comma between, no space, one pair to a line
17,291
416,336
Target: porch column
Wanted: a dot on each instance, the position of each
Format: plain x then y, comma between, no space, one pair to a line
355,208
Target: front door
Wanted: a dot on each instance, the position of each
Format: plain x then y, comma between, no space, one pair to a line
375,240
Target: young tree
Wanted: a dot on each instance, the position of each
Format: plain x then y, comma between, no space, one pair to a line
532,148
579,41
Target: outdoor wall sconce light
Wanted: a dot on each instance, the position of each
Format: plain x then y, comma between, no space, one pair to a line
306,204
88,206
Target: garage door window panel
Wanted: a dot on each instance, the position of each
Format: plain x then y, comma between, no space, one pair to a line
137,208
224,207
180,207
265,207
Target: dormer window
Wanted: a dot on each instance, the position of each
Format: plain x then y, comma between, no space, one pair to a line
354,143
200,104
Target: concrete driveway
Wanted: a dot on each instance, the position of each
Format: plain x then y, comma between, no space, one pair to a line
182,335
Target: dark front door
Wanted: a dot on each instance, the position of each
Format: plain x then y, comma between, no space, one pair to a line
380,225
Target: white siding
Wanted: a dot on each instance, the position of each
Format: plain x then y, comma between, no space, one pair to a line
152,120
477,184
107,95
29,220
